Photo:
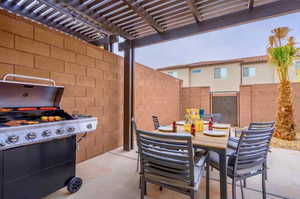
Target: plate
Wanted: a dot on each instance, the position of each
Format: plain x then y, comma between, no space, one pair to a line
215,133
221,126
180,123
165,128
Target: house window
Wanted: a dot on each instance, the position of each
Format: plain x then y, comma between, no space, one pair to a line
220,73
196,71
173,74
298,71
249,71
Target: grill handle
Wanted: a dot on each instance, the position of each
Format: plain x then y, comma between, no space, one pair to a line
27,77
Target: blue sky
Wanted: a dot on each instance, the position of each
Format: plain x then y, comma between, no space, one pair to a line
235,42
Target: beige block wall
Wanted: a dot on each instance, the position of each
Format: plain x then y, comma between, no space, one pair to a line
195,97
155,94
258,103
92,77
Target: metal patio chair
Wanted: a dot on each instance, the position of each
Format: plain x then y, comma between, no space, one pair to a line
155,122
233,141
134,128
248,159
168,161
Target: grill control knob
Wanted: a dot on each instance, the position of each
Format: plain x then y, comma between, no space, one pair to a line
71,129
46,133
89,126
12,139
60,131
31,136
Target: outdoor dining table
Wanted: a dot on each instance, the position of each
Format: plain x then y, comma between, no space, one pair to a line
217,144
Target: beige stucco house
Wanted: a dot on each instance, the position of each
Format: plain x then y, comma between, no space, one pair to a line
228,75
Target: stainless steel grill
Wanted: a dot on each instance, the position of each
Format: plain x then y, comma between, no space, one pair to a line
37,139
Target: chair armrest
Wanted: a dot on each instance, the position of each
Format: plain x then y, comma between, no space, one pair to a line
238,131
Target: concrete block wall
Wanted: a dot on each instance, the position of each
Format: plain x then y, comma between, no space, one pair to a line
92,77
195,97
156,94
93,80
258,103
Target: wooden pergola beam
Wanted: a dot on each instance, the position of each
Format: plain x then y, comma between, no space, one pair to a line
141,12
250,4
194,10
76,7
273,9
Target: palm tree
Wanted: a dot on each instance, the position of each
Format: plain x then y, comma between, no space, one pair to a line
282,56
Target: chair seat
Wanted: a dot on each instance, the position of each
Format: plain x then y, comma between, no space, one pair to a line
215,161
233,142
198,173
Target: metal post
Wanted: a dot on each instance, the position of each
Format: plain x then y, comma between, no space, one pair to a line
132,89
110,45
128,95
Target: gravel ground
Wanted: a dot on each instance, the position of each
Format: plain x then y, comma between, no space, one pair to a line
292,145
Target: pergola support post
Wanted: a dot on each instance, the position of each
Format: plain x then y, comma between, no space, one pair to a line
128,95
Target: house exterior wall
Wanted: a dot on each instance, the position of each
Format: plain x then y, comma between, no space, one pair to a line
265,73
206,77
92,77
183,74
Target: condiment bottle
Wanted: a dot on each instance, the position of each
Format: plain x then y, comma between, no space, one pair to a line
193,129
174,127
210,124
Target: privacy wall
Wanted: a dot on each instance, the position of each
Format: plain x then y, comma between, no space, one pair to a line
195,97
93,80
155,94
259,102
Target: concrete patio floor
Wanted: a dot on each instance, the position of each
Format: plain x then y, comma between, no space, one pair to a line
113,176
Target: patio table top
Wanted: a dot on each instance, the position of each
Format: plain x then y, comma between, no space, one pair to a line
203,140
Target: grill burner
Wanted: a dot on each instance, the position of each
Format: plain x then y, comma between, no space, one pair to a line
37,152
32,116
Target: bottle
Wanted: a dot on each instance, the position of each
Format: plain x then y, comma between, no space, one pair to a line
193,130
210,124
174,127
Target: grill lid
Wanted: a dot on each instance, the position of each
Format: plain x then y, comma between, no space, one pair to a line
24,94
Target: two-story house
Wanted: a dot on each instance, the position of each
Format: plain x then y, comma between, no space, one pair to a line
228,75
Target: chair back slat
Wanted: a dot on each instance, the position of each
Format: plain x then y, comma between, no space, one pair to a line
167,145
252,149
158,151
261,125
177,164
155,122
167,155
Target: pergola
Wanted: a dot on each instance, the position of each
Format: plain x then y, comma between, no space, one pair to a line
142,23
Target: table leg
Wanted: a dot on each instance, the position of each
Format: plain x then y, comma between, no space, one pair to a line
223,174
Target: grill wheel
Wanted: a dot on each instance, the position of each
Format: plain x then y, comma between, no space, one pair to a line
74,184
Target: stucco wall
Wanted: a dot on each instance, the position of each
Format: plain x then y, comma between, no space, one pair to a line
264,74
